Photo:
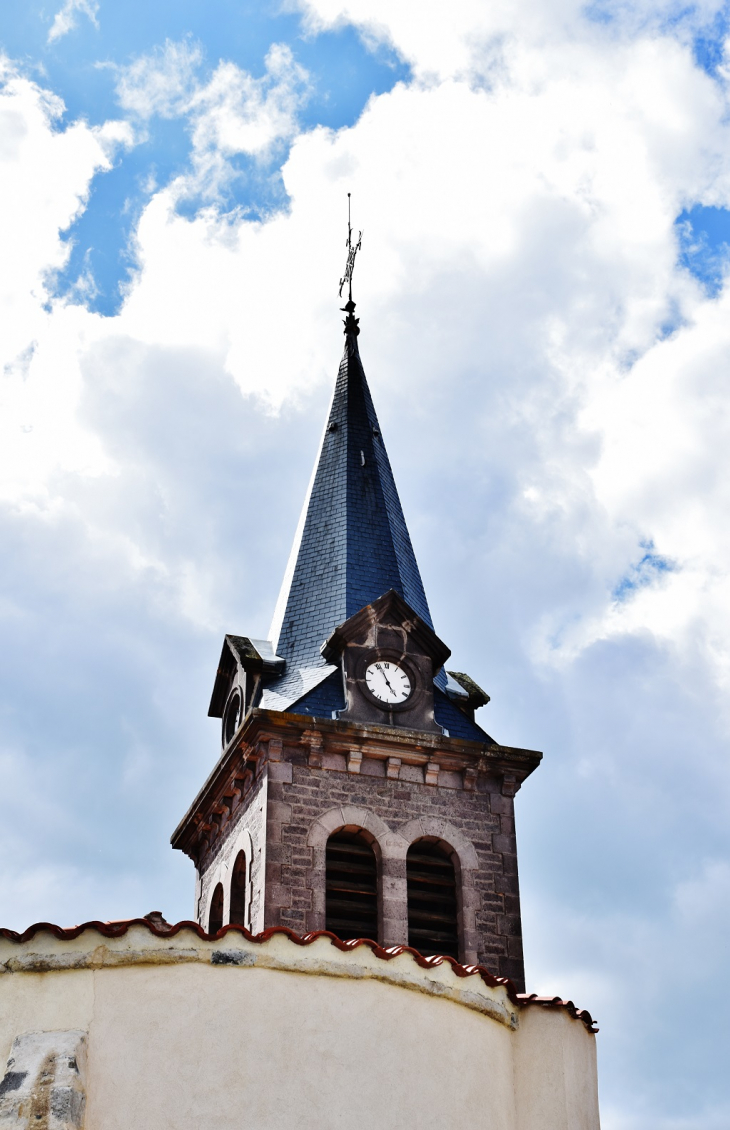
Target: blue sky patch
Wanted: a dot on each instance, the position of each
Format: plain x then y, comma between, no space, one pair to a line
704,244
709,46
645,572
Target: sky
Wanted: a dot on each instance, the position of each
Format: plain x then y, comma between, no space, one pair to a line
544,192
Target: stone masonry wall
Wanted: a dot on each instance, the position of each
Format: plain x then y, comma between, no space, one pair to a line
476,821
248,833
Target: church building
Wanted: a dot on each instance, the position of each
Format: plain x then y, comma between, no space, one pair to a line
356,946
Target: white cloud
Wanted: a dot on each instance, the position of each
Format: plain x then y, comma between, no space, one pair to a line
468,38
664,426
568,172
45,182
64,20
236,113
161,83
230,114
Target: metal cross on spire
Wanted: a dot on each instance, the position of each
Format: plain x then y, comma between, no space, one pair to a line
353,248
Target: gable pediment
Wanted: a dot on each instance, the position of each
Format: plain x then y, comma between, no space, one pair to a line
387,643
387,622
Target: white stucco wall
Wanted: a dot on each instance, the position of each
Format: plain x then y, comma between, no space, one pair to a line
184,1033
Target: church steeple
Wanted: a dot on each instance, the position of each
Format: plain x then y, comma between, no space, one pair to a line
352,544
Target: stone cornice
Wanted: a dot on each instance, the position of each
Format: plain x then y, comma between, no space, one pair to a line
264,734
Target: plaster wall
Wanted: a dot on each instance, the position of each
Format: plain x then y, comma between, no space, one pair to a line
183,1031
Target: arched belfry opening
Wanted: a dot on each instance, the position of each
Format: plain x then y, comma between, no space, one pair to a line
239,877
215,919
433,924
351,887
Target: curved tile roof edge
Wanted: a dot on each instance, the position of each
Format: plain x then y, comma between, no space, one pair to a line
116,929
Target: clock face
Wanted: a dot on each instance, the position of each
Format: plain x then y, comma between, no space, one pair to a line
387,681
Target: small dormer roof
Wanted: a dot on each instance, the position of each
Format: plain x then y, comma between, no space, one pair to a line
462,687
241,653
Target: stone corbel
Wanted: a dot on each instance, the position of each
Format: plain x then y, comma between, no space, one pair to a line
392,768
313,739
231,800
219,815
431,775
510,784
274,749
243,781
354,760
470,779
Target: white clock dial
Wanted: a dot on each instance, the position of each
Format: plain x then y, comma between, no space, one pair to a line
387,681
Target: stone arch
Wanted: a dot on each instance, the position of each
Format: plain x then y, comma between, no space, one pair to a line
214,878
243,844
215,910
433,827
348,817
466,864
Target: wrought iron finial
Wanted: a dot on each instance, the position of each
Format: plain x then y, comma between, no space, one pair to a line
351,326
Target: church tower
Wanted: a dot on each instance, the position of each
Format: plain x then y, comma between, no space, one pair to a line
355,791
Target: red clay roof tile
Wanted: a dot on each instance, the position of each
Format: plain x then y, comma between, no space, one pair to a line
116,929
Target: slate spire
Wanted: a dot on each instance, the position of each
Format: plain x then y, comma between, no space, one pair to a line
352,544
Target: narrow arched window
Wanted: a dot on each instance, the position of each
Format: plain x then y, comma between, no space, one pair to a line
432,909
351,887
215,920
238,890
